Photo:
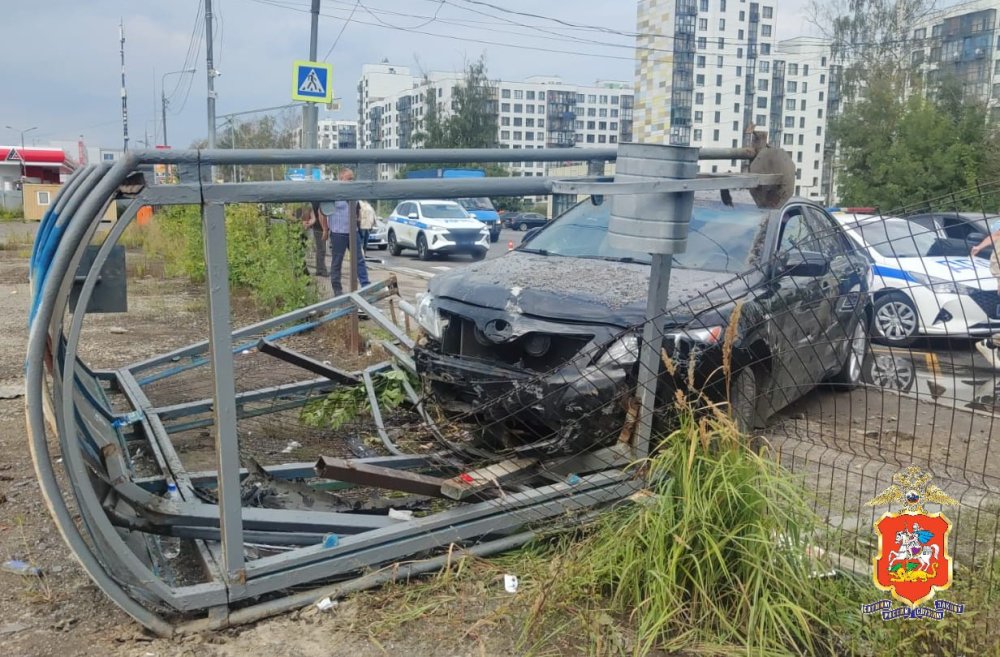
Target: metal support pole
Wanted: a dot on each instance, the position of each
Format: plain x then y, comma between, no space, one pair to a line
227,450
211,73
310,111
163,111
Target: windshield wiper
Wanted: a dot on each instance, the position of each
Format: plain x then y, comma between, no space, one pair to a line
628,259
537,251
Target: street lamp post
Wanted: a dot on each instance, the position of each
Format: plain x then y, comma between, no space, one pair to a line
24,171
163,98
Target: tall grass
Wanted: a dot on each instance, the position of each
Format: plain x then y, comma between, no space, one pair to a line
718,559
266,257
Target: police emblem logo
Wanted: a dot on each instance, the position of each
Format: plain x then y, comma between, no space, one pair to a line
912,562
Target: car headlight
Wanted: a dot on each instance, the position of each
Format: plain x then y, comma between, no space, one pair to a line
710,335
622,350
941,285
428,316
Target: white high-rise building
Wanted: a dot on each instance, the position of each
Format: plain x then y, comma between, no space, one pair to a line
711,71
332,134
539,112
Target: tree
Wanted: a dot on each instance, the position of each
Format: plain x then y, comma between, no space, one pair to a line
473,121
872,38
269,131
907,154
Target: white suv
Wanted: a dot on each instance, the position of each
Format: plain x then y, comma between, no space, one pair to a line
433,227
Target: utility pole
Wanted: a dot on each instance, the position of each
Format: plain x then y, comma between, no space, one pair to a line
163,98
310,111
121,34
212,73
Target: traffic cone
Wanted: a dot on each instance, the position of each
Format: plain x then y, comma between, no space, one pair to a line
510,245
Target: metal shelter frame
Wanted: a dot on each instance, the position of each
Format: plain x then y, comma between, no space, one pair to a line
121,513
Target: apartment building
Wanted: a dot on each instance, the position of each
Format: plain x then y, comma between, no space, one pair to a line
539,112
961,42
332,134
709,71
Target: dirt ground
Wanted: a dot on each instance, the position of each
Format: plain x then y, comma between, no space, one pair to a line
63,613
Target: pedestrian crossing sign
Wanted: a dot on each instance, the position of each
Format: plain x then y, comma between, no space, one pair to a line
311,82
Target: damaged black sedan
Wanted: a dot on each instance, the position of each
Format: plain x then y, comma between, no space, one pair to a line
541,345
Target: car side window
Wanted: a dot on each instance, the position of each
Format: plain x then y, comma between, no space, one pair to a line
796,235
408,209
828,234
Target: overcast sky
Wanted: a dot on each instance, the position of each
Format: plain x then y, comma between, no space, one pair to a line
62,61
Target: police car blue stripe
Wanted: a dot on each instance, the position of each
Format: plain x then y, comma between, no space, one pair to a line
890,272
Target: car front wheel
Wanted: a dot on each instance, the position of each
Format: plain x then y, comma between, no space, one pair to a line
423,252
743,399
522,226
394,247
894,320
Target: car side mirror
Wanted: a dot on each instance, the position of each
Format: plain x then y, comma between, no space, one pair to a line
413,215
806,263
530,234
975,238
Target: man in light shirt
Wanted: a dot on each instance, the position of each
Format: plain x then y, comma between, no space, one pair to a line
338,217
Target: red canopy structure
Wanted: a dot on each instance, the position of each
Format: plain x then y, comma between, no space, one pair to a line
41,164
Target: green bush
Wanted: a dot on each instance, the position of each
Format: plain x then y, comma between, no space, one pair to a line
266,256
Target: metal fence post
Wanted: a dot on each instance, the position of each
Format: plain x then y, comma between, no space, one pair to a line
227,449
655,224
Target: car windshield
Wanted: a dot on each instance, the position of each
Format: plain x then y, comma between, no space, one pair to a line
720,238
476,203
897,238
443,211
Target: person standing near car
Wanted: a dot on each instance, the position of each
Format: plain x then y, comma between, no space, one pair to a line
339,221
990,347
366,222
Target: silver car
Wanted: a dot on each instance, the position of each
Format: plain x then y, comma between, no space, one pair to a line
378,236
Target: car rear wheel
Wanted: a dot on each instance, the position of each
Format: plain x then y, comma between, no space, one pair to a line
849,376
894,320
394,247
422,251
522,226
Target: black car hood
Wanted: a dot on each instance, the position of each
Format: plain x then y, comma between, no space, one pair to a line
581,289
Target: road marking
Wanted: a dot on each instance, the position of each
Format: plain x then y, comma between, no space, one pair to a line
933,364
442,268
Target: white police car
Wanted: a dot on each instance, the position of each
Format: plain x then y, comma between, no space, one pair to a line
917,292
436,227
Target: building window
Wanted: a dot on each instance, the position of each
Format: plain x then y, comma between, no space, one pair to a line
821,95
531,95
699,117
614,101
805,87
614,125
738,89
505,107
761,121
793,69
996,90
591,111
505,93
768,12
718,80
743,17
505,134
602,139
936,30
736,108
802,122
789,121
505,120
702,43
722,43
614,114
722,5
718,117
762,84
518,94
579,125
819,113
739,55
715,135
518,121
736,126
722,24
529,136
579,138
802,105
541,123
604,100
793,86
699,98
702,24
790,104
591,125
718,99
517,135
762,103
700,62
697,135
590,139
592,98
765,30
798,157
718,61
765,48
805,69
788,139
529,123
602,125
580,98
518,107
817,150
822,62
765,67
613,139
703,5
739,71
42,198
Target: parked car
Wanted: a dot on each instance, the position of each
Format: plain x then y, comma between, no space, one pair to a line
958,231
482,209
917,290
546,338
436,228
378,237
524,220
